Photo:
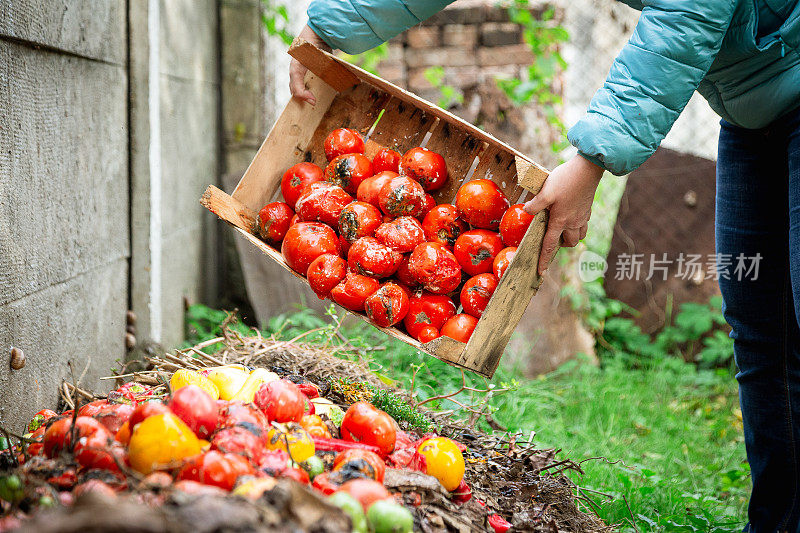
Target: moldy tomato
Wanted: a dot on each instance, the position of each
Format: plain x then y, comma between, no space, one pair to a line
514,224
216,469
370,187
460,327
305,241
404,276
402,234
322,202
440,457
435,268
430,203
359,219
348,171
273,222
243,415
443,224
325,272
388,306
386,159
363,422
280,401
352,292
58,435
425,166
240,441
196,408
295,441
402,196
366,462
427,313
343,141
476,293
502,260
476,249
481,203
296,179
369,257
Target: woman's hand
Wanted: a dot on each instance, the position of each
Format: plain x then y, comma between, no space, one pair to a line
297,72
567,194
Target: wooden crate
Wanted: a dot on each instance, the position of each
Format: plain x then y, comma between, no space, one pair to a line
347,96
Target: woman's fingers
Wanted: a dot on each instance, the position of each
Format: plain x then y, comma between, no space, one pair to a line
552,238
297,83
583,231
571,237
537,204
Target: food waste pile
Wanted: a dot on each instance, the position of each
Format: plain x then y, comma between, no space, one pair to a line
271,436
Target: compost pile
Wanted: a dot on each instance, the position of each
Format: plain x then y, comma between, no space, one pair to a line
228,442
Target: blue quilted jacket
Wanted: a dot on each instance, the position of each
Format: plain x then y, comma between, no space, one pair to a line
743,56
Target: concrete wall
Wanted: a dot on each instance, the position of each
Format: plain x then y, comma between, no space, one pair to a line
109,118
64,233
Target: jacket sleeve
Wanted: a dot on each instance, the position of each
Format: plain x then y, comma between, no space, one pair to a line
358,25
651,81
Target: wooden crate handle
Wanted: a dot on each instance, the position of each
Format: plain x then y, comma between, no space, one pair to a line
530,175
228,208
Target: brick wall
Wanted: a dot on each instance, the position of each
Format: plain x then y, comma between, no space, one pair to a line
475,43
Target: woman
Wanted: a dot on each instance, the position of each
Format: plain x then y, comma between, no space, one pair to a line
743,56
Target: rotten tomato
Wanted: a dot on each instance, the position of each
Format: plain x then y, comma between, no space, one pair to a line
348,171
359,219
476,249
388,305
514,224
502,260
305,241
273,222
435,268
476,293
369,257
325,272
370,187
424,166
402,196
353,291
363,422
343,141
460,327
443,224
481,203
402,234
296,179
322,202
427,313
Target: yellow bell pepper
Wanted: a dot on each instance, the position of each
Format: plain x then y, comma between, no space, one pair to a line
228,380
257,377
184,377
300,443
161,442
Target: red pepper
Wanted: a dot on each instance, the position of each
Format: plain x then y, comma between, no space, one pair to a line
462,494
338,445
309,389
500,524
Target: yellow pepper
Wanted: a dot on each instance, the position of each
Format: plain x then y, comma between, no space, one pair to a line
161,442
300,443
257,377
228,380
254,488
184,377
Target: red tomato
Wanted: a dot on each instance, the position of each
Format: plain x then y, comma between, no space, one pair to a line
348,171
216,469
427,313
343,141
425,166
322,202
476,293
146,410
344,246
322,483
92,408
476,249
366,491
386,159
280,401
502,260
403,274
514,224
112,416
243,415
40,419
443,224
58,435
365,461
370,187
273,222
435,268
196,408
305,241
354,290
359,219
240,441
460,327
295,220
296,179
388,305
325,272
99,452
402,234
363,422
430,203
481,203
369,257
402,196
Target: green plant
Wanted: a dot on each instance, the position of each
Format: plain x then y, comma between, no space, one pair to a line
543,37
450,95
276,20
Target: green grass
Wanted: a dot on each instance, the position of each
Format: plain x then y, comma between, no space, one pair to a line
668,435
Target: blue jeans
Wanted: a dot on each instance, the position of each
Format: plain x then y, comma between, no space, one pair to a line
758,212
